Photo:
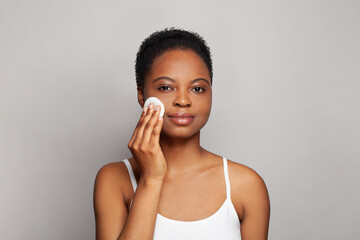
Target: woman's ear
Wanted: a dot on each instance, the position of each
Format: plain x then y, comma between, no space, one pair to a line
140,96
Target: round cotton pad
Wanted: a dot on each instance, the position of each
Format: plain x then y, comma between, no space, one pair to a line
156,102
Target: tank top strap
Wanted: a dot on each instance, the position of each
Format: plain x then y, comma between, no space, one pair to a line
227,181
131,173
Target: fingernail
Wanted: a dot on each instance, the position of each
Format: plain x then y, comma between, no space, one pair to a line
151,105
157,108
160,118
145,108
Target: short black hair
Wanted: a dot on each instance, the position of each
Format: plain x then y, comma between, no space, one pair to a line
169,39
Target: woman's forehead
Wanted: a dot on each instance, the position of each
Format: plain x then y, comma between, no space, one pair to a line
179,63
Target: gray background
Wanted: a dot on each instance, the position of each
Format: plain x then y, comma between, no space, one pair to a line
286,103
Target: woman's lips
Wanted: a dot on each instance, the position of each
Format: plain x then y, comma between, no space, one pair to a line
182,119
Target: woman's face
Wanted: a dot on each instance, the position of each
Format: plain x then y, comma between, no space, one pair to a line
181,80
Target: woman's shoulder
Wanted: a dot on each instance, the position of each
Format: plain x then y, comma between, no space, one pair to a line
243,173
247,186
111,171
113,178
241,176
244,177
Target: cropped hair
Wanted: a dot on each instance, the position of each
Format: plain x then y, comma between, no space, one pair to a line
169,39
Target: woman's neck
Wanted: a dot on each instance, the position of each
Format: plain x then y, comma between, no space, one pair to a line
182,154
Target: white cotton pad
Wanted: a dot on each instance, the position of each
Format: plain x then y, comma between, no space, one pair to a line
156,102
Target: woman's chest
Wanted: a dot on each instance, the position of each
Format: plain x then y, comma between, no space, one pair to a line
192,198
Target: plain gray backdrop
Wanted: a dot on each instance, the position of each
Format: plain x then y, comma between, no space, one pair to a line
286,103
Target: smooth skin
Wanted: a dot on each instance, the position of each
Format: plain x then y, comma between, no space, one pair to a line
176,177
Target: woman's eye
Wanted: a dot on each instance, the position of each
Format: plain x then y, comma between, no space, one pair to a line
164,88
198,89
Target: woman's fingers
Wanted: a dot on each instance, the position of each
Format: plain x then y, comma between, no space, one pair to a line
140,131
145,151
149,127
155,137
143,114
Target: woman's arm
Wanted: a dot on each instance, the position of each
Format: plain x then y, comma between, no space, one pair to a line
251,196
112,219
255,223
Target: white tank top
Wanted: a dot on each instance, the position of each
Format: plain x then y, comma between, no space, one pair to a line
223,224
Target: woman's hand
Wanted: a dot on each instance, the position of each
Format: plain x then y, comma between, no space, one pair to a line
144,144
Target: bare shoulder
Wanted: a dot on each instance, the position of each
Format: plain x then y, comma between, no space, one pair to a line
245,177
111,173
247,187
112,190
112,181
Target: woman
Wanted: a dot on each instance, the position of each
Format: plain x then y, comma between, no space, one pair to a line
172,188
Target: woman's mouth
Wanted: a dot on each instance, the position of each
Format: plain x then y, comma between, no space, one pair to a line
182,119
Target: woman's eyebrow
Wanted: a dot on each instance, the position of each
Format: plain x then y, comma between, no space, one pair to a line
200,79
172,80
167,78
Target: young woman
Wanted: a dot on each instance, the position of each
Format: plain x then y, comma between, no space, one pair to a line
172,188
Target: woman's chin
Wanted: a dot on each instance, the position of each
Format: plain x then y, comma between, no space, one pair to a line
178,133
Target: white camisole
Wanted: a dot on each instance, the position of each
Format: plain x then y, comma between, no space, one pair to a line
223,224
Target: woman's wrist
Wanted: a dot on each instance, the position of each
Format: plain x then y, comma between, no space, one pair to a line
151,181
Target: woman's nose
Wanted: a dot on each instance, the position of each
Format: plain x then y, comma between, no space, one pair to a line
182,99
